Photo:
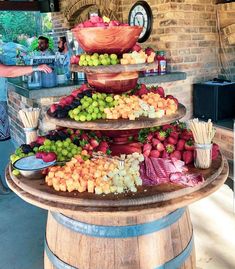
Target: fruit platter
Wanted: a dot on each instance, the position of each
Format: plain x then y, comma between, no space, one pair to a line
95,167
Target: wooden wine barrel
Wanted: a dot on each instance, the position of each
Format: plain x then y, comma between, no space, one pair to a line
151,241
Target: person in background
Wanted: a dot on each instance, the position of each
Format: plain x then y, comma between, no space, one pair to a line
9,72
43,47
63,49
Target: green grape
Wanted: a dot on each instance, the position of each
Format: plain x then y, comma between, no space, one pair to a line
113,62
88,57
76,111
77,118
96,62
53,147
16,172
59,144
104,61
88,117
65,144
82,118
108,61
80,63
94,96
85,63
95,104
101,109
18,151
96,55
74,151
106,55
90,109
58,150
99,115
109,99
104,95
70,155
94,116
101,56
82,57
79,149
47,142
113,56
103,116
96,110
64,152
85,104
68,140
41,148
89,100
101,102
31,154
71,115
90,63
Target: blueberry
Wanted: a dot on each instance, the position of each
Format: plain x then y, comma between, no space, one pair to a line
88,93
80,95
62,114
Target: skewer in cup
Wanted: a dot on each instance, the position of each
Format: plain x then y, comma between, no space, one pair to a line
29,118
203,133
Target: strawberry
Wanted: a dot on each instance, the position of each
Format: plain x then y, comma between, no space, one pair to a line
143,90
84,137
40,140
49,157
180,144
186,134
161,135
174,134
53,108
136,48
215,151
176,154
172,140
149,137
155,154
188,156
69,99
160,91
94,143
189,145
165,155
160,147
147,147
170,148
155,142
168,127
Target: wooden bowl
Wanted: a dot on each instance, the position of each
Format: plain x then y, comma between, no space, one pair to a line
118,39
113,83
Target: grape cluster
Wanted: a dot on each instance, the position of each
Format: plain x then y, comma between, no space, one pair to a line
96,59
92,108
64,150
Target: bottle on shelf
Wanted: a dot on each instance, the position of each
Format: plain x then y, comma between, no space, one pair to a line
161,59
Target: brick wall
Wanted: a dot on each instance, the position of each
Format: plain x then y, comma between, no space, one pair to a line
226,25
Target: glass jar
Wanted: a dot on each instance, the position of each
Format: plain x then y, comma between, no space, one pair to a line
31,134
203,156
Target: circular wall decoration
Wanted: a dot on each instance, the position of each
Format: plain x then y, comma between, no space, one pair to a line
141,15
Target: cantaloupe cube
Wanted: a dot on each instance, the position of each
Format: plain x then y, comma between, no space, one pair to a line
90,186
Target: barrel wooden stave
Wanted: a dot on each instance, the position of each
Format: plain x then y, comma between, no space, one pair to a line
148,251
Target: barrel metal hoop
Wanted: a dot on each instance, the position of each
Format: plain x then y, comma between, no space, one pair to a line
118,231
58,263
179,260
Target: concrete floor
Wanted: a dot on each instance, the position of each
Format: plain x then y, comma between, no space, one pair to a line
22,232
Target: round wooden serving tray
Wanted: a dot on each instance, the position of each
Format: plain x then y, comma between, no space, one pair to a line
121,124
144,197
117,68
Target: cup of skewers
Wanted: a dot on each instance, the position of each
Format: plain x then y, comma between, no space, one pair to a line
203,133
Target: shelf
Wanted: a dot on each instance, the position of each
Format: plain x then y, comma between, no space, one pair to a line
117,68
121,124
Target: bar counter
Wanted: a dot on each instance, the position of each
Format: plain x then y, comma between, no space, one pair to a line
20,96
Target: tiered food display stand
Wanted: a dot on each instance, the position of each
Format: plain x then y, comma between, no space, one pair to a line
149,229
